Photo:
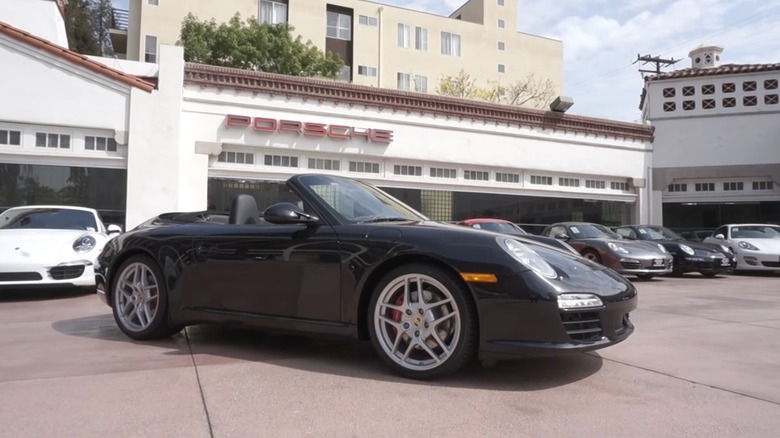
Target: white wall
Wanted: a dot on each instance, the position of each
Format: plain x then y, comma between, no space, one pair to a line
41,18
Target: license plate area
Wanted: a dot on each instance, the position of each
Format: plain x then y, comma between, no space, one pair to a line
658,262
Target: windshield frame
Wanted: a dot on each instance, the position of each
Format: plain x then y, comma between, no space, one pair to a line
755,228
606,232
666,233
10,219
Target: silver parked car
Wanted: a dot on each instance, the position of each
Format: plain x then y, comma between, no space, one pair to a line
756,246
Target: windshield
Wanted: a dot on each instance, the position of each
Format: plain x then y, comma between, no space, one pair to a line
48,218
658,233
357,202
591,231
499,227
756,232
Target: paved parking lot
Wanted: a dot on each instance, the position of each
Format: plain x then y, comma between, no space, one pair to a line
704,361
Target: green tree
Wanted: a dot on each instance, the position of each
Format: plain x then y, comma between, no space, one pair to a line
253,46
529,91
87,24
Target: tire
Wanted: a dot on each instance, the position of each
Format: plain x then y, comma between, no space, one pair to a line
422,342
592,255
129,292
645,276
709,274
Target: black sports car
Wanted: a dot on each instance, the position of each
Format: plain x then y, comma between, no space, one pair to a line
335,256
689,256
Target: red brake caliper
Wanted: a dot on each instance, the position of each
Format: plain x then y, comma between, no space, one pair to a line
396,314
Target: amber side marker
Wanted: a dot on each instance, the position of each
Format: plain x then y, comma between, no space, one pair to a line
478,278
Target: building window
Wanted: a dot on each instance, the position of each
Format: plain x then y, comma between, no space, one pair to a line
569,182
770,84
345,74
618,186
273,12
669,92
728,87
501,2
770,99
324,164
10,138
705,187
749,101
437,172
670,106
339,26
688,91
594,184
404,35
501,46
365,20
763,185
421,83
363,167
238,157
733,186
476,175
501,24
541,180
99,144
421,38
729,102
749,86
708,103
150,48
281,161
678,187
403,81
689,105
450,44
366,71
407,170
45,140
153,2
507,177
501,68
708,89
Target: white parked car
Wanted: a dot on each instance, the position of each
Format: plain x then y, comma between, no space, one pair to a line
756,246
51,245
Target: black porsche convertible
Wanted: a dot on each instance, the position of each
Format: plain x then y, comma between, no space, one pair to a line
328,255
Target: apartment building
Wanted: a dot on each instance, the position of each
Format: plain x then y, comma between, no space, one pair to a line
382,45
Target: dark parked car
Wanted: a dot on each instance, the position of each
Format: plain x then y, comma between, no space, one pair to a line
704,258
334,256
506,227
600,244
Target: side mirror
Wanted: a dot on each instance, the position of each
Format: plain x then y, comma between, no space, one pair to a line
114,229
562,236
287,213
720,236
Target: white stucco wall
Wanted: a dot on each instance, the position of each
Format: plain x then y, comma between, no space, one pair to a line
41,18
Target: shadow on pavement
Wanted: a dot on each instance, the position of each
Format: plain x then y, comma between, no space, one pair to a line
216,345
37,294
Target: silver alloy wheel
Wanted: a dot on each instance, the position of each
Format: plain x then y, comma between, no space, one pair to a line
592,257
419,331
137,297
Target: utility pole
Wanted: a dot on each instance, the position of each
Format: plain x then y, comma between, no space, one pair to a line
657,60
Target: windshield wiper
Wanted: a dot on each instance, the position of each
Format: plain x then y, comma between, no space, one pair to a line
384,219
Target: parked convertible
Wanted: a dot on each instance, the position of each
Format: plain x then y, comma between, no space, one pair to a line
704,258
601,245
50,246
334,256
756,246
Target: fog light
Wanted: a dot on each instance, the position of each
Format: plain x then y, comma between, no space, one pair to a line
751,261
578,301
629,260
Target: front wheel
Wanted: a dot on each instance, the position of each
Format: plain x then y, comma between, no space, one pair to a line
422,322
139,300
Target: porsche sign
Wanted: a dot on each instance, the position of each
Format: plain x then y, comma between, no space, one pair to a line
340,132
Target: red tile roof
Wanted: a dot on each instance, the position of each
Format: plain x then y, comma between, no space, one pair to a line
73,57
307,88
726,69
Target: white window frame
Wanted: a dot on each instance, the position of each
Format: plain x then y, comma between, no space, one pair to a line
278,12
108,143
404,35
53,137
232,157
404,81
421,83
343,23
367,20
289,161
150,56
364,70
421,38
8,133
501,68
501,24
450,44
153,2
501,46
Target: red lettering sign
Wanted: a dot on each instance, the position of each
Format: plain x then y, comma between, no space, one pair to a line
341,132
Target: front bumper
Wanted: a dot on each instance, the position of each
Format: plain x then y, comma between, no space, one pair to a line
643,266
75,273
755,261
708,264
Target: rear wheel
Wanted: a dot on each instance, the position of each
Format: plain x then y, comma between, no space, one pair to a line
422,322
592,255
140,300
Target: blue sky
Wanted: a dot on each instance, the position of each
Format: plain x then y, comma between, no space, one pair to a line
602,38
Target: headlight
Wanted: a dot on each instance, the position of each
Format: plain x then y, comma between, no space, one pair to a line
663,250
687,249
617,248
747,245
526,256
578,301
726,249
84,244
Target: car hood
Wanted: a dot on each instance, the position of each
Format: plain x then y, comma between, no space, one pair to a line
762,244
696,246
633,246
38,240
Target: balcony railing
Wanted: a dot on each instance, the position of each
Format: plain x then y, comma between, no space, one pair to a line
119,19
